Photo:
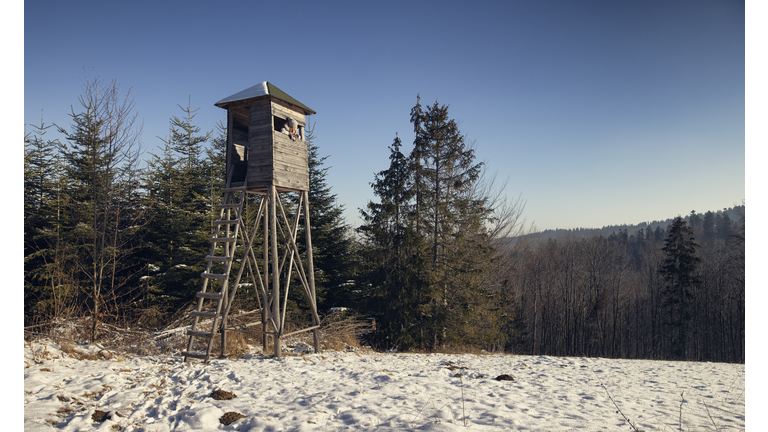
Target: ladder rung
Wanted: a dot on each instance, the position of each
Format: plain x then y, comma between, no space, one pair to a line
194,354
218,258
213,275
223,239
235,189
209,295
199,334
203,314
226,222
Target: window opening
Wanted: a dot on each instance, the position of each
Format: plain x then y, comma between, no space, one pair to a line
282,127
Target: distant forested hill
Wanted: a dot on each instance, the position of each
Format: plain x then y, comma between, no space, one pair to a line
734,215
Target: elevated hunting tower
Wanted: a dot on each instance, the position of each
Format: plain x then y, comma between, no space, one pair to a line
267,155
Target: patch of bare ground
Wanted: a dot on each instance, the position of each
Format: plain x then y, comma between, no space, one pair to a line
230,417
222,395
99,416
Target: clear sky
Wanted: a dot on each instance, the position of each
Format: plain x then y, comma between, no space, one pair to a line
594,112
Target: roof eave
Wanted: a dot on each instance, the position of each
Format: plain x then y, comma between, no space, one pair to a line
264,89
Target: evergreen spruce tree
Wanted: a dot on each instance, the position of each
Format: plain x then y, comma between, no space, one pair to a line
181,184
679,271
192,172
390,261
215,170
451,215
43,284
39,189
161,183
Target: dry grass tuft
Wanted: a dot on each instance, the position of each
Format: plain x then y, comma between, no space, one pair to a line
340,342
453,349
338,332
342,331
69,348
236,345
452,366
65,410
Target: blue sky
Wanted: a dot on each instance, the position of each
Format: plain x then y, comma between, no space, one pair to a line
594,112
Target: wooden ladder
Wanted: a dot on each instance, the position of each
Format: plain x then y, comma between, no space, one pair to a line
216,274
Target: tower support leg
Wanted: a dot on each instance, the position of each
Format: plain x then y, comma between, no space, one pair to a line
275,271
311,272
265,323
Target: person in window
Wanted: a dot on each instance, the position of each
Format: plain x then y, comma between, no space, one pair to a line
291,128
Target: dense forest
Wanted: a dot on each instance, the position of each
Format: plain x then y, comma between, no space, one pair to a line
674,293
440,260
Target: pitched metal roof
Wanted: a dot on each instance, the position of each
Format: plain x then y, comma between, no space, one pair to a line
263,88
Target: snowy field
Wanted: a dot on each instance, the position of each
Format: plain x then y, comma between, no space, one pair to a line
366,390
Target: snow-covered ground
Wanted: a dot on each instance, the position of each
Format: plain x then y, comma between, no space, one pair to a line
382,391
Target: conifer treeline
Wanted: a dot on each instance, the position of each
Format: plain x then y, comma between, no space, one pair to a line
439,260
96,225
727,214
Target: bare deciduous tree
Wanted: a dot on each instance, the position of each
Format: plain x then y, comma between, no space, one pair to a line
103,208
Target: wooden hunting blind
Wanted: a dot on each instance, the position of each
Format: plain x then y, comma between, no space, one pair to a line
256,145
267,154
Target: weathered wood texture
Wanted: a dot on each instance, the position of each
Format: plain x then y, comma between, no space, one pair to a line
239,135
241,110
260,158
229,148
271,156
290,163
280,110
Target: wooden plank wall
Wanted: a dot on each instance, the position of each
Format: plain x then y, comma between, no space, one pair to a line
239,135
273,158
290,157
290,163
260,146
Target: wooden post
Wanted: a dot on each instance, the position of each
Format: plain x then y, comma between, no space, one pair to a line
264,324
311,272
225,288
275,270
